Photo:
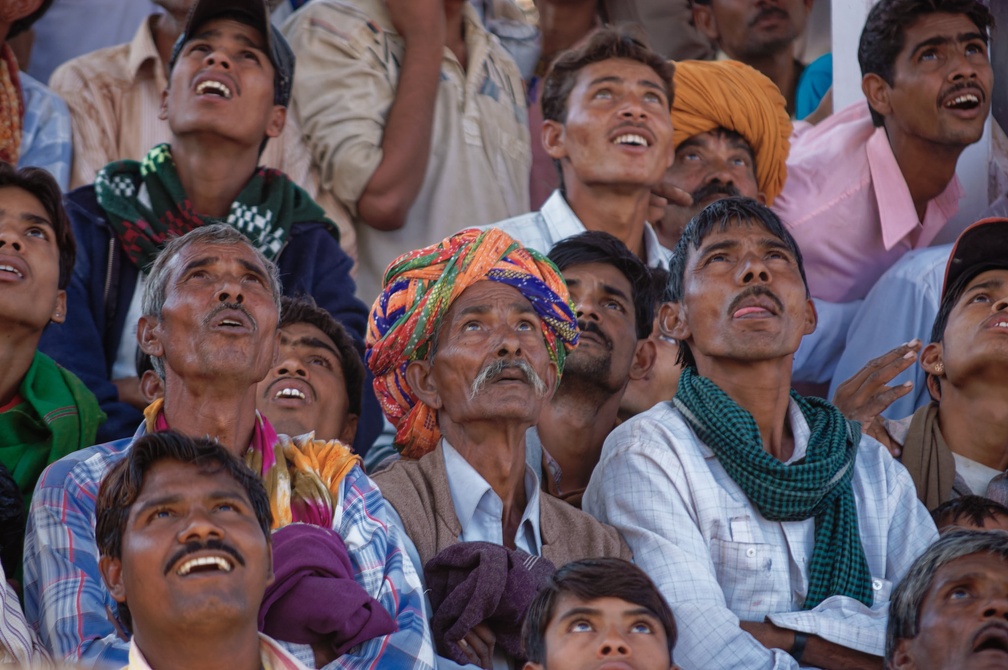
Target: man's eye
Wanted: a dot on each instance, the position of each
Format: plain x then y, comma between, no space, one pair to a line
199,47
525,325
471,325
975,48
740,162
959,593
928,55
162,513
689,156
653,97
319,360
980,297
614,305
250,55
603,94
717,258
641,627
580,627
35,231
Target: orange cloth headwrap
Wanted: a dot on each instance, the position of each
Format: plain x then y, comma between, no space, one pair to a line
732,95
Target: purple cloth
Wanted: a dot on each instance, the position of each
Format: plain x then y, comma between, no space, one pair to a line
314,597
479,582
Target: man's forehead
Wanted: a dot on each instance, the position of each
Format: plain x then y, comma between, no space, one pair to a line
488,295
736,229
169,479
709,138
303,334
205,254
614,281
219,25
620,69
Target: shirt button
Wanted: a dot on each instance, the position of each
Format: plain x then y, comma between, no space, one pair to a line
876,584
750,552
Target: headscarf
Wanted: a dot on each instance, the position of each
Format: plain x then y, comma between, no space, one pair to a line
729,94
418,290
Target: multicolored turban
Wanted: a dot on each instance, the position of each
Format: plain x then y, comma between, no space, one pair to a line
418,290
729,94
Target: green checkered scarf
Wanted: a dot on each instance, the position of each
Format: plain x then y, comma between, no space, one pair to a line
146,205
818,485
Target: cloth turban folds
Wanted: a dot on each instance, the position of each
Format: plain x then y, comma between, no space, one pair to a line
729,94
418,290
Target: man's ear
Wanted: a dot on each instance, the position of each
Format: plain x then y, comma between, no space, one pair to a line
703,18
761,198
420,378
529,665
163,111
277,120
672,321
59,310
811,317
645,354
553,139
111,572
151,386
149,336
349,431
270,575
877,90
901,657
932,361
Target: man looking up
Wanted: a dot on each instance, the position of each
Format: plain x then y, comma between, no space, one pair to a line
229,86
876,180
790,525
316,382
183,531
210,314
606,125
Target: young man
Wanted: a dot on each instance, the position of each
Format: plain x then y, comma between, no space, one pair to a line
754,492
951,611
209,323
45,411
607,127
597,611
316,382
183,531
876,180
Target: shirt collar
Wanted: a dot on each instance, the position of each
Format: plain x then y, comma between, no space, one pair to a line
469,492
142,51
272,655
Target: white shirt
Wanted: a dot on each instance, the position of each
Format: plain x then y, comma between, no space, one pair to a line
717,560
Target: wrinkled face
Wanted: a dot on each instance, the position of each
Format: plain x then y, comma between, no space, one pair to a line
222,85
752,29
963,618
491,360
743,299
193,553
603,301
219,318
618,129
29,263
709,166
604,633
942,81
305,389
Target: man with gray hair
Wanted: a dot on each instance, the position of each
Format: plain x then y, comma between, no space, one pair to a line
951,610
209,322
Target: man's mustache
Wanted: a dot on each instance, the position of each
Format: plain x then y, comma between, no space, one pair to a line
231,306
767,12
194,546
491,372
715,188
757,289
592,327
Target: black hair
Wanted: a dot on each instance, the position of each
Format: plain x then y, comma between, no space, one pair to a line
973,509
21,25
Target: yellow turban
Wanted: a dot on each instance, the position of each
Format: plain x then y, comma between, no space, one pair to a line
732,95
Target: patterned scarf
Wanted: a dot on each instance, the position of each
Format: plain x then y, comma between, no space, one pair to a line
146,206
11,107
301,474
818,485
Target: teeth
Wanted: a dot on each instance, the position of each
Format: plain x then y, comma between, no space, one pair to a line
290,393
11,268
230,322
215,561
636,140
210,86
963,99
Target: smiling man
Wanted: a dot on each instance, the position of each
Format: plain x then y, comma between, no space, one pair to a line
607,127
876,180
316,382
790,524
951,611
183,533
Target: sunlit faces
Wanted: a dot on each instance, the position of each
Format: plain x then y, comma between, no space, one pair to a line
743,298
618,131
941,87
193,553
222,84
219,319
489,323
752,29
963,620
603,302
305,390
29,263
604,633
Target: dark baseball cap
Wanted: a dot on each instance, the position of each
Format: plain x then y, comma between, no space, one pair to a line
255,13
982,246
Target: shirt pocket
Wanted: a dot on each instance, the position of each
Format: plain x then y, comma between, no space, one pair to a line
752,577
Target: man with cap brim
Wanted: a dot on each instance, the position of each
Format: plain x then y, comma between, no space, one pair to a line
955,445
230,82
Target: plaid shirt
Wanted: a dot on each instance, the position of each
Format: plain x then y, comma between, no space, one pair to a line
69,605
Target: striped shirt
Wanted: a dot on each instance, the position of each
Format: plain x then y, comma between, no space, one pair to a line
18,643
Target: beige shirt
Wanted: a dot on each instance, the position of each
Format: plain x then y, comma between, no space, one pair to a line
114,95
272,655
478,171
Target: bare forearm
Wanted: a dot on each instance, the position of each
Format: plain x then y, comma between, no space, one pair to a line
818,652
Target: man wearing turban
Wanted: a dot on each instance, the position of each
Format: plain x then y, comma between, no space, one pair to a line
467,343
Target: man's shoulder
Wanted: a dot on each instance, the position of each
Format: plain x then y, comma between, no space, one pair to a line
83,470
663,427
107,66
354,23
576,533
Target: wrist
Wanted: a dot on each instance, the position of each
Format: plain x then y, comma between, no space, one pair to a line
797,649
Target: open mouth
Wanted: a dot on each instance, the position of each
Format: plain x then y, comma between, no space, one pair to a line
289,393
963,99
12,270
631,139
992,638
212,87
204,564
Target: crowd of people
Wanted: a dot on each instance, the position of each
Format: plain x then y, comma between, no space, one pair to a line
417,334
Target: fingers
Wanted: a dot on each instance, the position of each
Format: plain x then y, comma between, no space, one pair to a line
478,645
865,395
673,194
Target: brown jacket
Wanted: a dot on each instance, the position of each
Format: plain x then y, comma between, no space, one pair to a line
418,490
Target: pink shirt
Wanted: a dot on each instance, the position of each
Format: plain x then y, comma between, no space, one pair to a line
848,206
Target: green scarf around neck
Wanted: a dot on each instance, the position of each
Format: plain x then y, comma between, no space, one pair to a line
59,415
819,485
146,205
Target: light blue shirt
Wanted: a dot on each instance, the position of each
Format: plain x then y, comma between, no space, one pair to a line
46,141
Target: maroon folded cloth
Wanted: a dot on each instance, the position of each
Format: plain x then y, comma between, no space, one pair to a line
479,582
314,597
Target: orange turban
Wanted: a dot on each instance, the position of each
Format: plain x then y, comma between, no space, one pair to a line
729,94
